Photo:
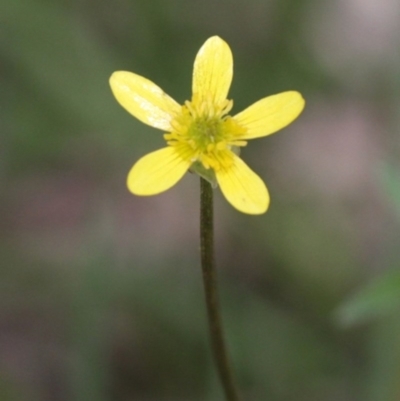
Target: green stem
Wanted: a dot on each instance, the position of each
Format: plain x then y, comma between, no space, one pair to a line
211,292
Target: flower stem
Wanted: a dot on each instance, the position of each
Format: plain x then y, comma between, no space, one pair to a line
211,291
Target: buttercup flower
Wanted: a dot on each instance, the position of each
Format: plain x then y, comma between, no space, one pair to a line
200,134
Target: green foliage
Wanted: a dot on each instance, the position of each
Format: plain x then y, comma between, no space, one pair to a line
389,176
378,299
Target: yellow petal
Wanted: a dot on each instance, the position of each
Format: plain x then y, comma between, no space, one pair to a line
213,71
144,99
157,172
243,189
270,114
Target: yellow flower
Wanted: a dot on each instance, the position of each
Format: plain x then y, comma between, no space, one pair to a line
201,134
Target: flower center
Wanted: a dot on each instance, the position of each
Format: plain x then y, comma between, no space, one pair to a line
203,132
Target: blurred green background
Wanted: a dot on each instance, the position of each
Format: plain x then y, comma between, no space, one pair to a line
100,291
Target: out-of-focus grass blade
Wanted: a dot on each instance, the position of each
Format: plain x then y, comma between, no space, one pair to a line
378,299
382,296
390,179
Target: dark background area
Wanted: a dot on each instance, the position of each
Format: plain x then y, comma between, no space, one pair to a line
100,291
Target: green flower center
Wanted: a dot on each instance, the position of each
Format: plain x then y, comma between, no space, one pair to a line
204,133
